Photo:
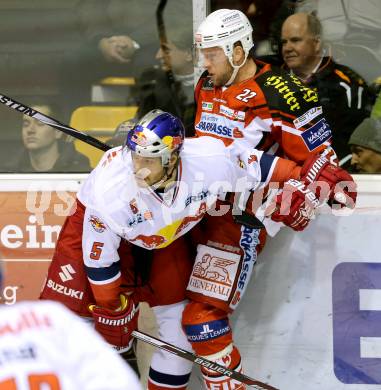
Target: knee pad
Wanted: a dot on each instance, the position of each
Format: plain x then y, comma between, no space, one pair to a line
207,328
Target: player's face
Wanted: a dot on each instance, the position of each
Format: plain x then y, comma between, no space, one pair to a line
300,50
147,170
365,160
217,64
36,135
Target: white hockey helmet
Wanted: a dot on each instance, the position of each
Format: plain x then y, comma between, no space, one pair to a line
223,28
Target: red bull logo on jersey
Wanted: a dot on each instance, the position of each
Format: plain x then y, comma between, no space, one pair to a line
193,219
97,224
219,125
149,242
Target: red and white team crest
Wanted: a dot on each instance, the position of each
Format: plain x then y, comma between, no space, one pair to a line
97,224
252,158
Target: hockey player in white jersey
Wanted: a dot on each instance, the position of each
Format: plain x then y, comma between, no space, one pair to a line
149,193
45,346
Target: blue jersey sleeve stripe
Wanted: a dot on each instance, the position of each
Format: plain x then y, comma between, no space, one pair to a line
103,273
266,164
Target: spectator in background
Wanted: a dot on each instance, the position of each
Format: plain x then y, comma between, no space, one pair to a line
354,31
44,150
120,36
124,33
170,87
47,345
365,143
344,95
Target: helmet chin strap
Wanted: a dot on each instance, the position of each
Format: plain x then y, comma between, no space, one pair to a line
167,178
236,68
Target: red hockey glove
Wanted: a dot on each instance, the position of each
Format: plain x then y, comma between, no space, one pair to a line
116,326
295,206
329,182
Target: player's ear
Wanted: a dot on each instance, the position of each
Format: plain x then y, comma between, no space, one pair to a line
238,54
174,158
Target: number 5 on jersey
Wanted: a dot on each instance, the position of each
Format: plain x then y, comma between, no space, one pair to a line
96,250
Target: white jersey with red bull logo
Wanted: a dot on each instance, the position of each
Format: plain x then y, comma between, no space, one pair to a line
117,208
44,346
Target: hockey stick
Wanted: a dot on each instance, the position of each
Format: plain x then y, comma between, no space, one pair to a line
17,106
201,361
242,218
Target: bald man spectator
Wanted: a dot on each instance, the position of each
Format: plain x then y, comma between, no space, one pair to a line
365,143
344,95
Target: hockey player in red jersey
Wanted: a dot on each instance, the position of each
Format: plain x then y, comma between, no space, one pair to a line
149,193
246,103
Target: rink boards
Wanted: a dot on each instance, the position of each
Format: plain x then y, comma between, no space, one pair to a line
311,316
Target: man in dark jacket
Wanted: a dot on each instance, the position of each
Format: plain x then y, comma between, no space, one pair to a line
344,95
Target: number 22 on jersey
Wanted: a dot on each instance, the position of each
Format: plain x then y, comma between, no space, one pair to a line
246,95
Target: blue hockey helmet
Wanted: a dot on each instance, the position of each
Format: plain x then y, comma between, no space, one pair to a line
157,134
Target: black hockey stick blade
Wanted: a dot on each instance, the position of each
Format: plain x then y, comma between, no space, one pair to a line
248,220
201,361
23,109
